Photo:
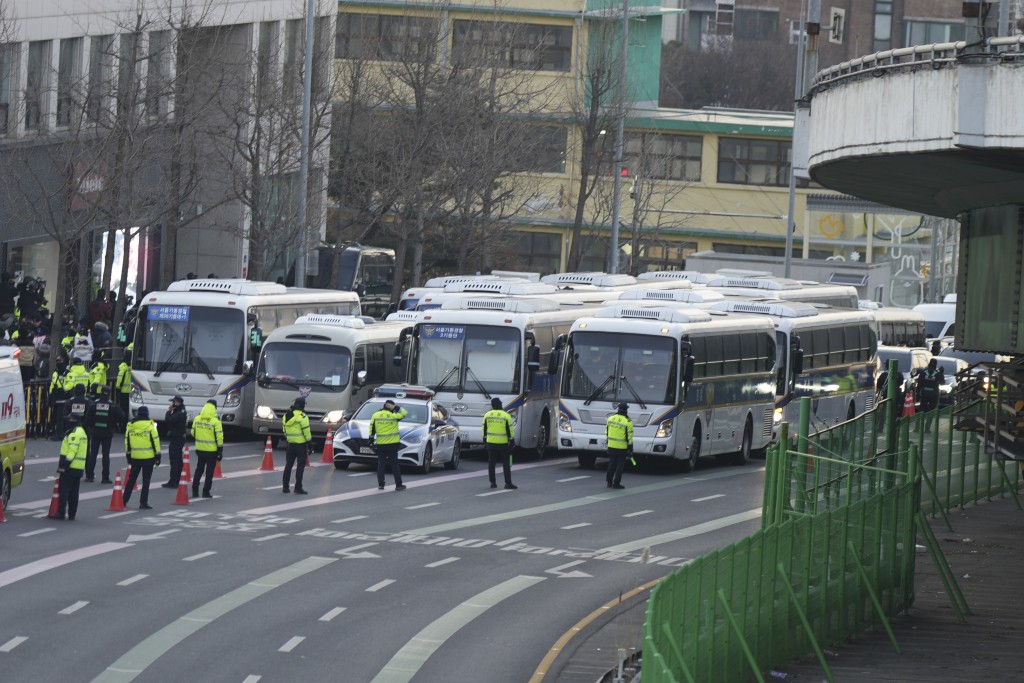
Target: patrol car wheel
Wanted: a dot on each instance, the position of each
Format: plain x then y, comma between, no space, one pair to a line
453,464
428,459
341,465
5,489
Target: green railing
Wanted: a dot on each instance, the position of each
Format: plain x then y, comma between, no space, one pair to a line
842,512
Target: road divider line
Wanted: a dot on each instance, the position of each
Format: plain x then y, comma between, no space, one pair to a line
701,500
695,530
132,579
584,476
291,644
71,609
441,563
349,519
377,586
139,658
638,513
193,558
332,613
37,531
576,526
421,506
32,568
12,643
410,658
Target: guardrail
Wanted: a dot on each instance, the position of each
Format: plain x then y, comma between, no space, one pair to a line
935,56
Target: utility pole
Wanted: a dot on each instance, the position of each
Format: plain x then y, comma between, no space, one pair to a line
307,99
620,104
806,66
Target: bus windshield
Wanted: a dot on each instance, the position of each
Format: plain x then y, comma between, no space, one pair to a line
202,339
475,359
296,363
602,366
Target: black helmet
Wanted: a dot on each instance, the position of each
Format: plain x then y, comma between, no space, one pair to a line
300,402
496,403
623,408
142,412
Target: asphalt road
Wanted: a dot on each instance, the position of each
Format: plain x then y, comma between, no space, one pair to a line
446,581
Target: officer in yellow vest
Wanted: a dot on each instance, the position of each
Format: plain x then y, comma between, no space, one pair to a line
296,429
142,445
619,432
73,452
76,374
123,383
386,440
98,374
498,435
209,435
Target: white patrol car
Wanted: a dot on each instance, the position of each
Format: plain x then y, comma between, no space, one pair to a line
428,435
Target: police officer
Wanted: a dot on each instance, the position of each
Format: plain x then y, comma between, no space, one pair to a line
58,398
619,432
928,381
123,383
98,373
142,445
498,435
296,430
175,422
73,454
209,435
76,375
103,416
384,433
79,405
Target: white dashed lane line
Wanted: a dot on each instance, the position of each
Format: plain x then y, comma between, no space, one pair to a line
12,643
562,481
439,563
71,609
638,513
193,558
332,613
291,644
576,526
701,500
349,519
421,506
133,579
377,586
268,538
37,532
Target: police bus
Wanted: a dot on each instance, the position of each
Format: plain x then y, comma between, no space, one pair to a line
825,354
565,296
472,350
899,326
201,338
410,298
697,383
332,361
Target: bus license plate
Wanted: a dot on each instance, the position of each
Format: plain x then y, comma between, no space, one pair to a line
366,449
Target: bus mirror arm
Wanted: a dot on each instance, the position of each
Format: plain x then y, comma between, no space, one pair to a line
798,361
533,359
556,353
396,358
687,369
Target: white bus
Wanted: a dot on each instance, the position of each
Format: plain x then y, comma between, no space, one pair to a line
782,289
697,383
565,296
826,355
410,298
899,326
472,350
332,361
200,339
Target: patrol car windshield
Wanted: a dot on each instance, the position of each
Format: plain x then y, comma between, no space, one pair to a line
323,364
190,339
602,366
473,359
417,411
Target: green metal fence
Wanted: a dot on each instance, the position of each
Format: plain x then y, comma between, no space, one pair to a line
842,512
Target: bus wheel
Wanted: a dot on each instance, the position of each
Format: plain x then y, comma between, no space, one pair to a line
690,464
851,412
542,438
742,457
5,489
586,460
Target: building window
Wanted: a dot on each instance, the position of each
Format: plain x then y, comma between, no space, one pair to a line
126,73
536,47
8,62
661,156
540,252
748,161
294,44
542,152
930,32
385,37
883,25
158,73
756,24
68,69
265,61
100,59
35,82
663,255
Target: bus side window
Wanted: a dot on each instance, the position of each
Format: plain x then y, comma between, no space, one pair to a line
700,359
375,355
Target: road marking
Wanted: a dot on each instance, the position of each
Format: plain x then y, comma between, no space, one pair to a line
577,526
586,500
291,644
12,643
560,573
584,476
135,661
510,541
71,609
52,562
355,495
638,513
332,613
349,519
268,538
421,506
271,488
134,538
410,658
252,679
117,514
377,586
193,558
362,474
356,552
37,532
491,493
701,500
439,563
133,579
695,530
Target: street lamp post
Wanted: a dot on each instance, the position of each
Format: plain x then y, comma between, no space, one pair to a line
620,104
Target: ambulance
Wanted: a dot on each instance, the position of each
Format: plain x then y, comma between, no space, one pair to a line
12,423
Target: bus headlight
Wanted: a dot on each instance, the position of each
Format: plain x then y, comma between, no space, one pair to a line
265,413
664,429
135,394
334,417
564,424
777,416
233,399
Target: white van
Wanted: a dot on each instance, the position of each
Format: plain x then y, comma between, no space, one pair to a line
332,361
12,423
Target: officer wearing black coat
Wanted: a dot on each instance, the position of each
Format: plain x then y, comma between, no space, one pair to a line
175,422
104,415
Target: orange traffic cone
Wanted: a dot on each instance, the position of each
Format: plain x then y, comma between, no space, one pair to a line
186,466
182,497
55,499
268,457
328,456
908,406
217,474
117,497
